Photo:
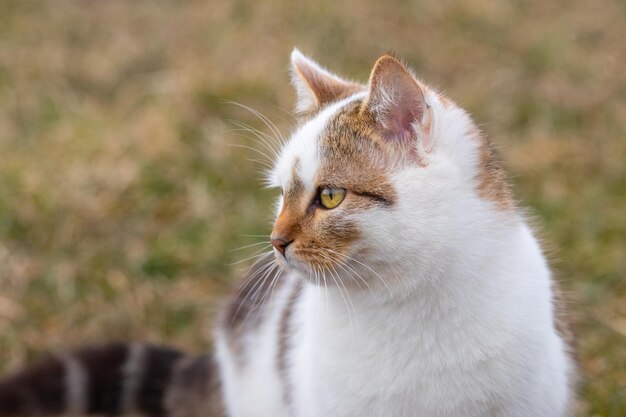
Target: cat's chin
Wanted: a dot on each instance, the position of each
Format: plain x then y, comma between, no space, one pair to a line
290,264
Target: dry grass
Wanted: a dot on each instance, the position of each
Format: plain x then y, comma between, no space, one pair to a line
121,198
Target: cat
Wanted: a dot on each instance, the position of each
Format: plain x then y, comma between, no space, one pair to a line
403,281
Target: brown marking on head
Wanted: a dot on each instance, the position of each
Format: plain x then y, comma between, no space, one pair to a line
318,236
296,187
357,158
493,182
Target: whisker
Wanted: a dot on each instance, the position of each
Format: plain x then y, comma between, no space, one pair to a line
249,246
271,150
366,266
328,306
267,273
273,282
261,140
261,117
266,166
286,112
251,277
347,295
265,139
257,287
334,257
253,256
345,300
245,284
318,283
273,285
338,262
352,272
237,145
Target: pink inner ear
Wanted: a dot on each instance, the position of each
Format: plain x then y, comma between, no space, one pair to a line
400,116
396,99
409,114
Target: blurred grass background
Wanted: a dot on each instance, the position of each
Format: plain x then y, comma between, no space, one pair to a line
121,199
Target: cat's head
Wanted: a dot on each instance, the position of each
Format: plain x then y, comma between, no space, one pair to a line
383,177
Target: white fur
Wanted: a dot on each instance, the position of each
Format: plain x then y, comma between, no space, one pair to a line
462,326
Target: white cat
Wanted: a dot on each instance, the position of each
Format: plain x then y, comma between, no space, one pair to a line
413,287
403,282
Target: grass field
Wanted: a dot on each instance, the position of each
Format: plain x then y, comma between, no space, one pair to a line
122,199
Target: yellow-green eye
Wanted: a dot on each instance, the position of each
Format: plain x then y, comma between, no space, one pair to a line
332,197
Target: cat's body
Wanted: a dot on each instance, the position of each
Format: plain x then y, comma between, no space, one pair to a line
434,358
411,285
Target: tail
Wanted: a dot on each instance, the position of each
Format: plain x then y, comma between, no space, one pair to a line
114,379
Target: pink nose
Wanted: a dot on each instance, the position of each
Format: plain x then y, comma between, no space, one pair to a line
281,244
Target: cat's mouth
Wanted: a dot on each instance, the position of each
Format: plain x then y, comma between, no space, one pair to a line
319,266
290,261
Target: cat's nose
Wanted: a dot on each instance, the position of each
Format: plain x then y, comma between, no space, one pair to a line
281,244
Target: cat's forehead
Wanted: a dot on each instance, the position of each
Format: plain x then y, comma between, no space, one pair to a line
302,155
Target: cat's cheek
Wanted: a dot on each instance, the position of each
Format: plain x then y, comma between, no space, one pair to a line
379,237
340,236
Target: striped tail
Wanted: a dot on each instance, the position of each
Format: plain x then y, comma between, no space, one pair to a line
115,379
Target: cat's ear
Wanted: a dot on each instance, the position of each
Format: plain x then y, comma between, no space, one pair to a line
397,102
316,86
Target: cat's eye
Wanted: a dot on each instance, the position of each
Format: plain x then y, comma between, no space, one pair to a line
332,197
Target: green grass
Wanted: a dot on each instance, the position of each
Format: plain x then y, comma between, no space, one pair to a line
122,199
